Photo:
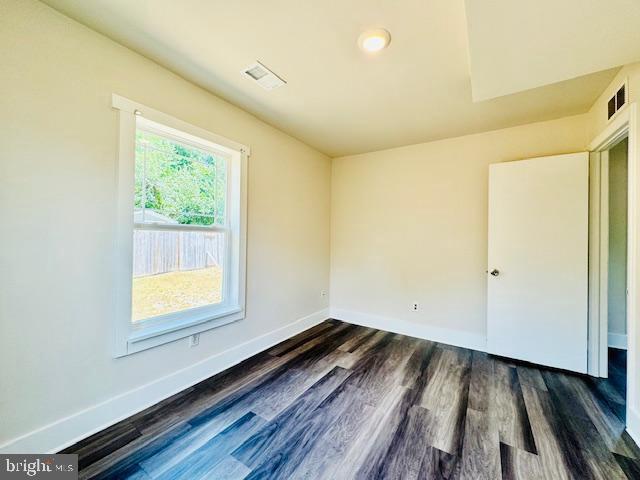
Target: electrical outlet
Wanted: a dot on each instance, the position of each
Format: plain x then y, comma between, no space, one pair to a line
323,293
194,340
414,307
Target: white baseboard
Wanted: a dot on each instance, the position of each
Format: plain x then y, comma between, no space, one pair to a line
67,431
618,340
633,425
457,338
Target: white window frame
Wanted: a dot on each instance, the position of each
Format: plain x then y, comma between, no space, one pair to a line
129,337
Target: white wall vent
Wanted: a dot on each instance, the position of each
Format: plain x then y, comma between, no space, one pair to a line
263,76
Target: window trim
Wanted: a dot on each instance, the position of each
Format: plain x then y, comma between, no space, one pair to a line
130,338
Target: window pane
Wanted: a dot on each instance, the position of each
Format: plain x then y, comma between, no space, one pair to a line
174,271
177,183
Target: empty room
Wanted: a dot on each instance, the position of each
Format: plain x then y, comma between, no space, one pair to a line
302,239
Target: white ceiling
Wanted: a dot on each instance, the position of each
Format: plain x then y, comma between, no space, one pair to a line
519,45
337,99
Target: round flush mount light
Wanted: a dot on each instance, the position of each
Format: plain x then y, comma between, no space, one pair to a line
374,40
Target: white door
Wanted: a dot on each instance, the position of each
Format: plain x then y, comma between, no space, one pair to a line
538,253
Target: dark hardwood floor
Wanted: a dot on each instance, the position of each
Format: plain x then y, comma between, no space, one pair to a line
341,401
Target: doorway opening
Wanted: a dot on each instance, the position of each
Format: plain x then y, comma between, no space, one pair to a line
623,132
617,183
609,234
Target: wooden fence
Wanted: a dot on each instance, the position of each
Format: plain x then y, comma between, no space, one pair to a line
157,252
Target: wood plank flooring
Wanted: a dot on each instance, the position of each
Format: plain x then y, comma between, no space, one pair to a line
341,401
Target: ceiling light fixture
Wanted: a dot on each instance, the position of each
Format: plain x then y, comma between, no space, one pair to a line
372,41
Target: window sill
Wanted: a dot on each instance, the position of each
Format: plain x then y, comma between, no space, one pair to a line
154,335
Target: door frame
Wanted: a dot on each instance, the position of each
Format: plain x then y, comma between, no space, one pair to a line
597,353
624,124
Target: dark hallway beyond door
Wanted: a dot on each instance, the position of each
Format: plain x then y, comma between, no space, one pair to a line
618,380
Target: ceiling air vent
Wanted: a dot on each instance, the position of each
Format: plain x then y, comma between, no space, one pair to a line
263,76
616,102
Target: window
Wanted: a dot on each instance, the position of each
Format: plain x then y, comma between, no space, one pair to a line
181,229
180,195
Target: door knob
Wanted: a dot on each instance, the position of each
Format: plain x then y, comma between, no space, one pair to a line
495,272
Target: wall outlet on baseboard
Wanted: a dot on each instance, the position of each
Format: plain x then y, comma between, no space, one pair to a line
415,307
194,340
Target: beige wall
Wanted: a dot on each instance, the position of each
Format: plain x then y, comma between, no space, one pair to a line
58,146
410,224
617,281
